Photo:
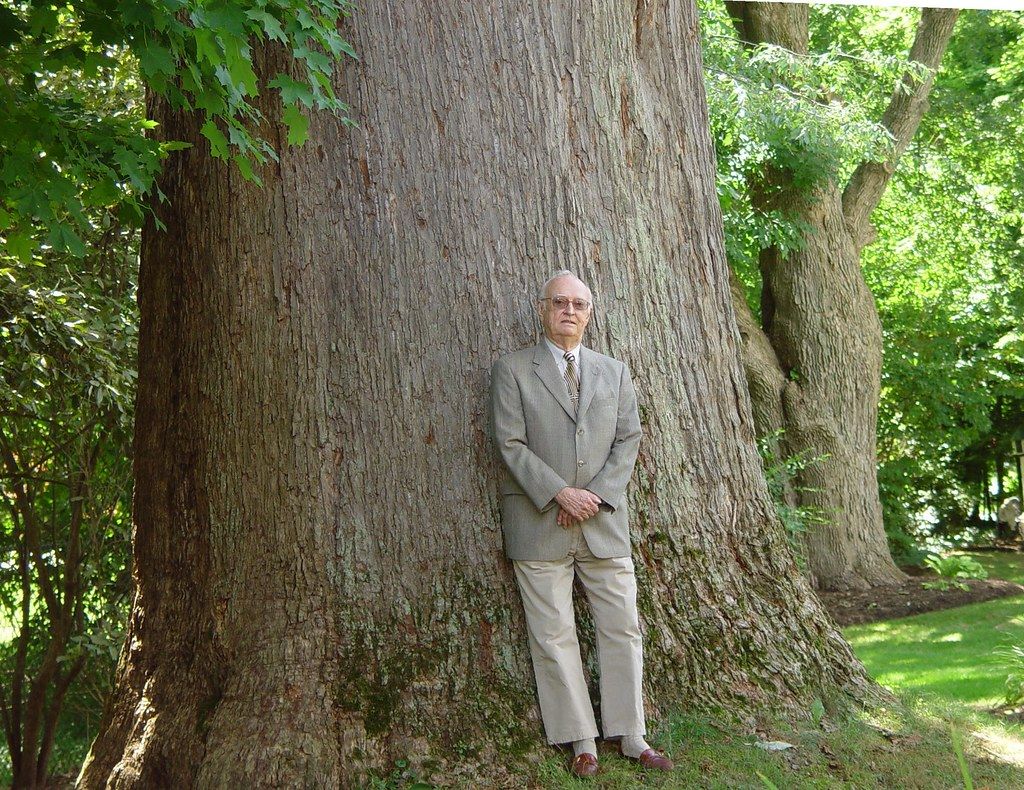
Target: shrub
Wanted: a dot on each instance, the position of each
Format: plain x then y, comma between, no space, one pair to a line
952,570
1013,660
781,475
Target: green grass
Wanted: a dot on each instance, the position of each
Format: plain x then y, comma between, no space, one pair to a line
906,747
948,654
909,748
1007,565
940,664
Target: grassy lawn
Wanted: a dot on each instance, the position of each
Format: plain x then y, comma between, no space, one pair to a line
948,654
910,748
1007,565
907,747
940,664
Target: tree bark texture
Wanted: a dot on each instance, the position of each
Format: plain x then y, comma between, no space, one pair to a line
820,320
321,585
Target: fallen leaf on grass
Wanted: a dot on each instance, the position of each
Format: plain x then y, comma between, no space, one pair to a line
773,746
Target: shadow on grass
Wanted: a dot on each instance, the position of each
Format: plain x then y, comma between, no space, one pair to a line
949,654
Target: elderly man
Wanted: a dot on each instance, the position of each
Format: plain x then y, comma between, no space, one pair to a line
567,427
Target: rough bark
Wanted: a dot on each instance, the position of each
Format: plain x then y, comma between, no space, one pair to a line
765,380
820,320
321,587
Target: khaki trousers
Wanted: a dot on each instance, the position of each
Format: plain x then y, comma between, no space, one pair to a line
610,585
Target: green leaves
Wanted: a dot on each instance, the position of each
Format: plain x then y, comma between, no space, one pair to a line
947,272
292,91
73,80
207,47
298,125
218,142
271,25
68,160
155,60
952,570
67,386
68,334
238,59
223,81
781,119
1011,656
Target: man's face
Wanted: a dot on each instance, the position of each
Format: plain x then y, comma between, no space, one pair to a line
564,325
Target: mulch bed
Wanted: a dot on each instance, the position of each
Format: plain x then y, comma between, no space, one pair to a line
853,607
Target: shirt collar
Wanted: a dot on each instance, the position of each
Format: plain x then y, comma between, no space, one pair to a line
560,354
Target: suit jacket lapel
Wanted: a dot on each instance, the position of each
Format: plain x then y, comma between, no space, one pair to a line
590,381
546,368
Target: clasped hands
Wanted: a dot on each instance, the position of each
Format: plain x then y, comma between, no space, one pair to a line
576,505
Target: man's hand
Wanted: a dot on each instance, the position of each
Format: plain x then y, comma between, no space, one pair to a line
565,520
576,505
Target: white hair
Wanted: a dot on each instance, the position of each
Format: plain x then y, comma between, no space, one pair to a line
557,275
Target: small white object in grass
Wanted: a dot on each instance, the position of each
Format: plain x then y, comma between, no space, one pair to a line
773,746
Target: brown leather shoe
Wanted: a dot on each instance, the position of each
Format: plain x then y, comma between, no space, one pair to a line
651,760
584,765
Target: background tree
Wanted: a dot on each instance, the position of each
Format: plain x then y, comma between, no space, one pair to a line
68,354
944,270
814,357
321,586
67,364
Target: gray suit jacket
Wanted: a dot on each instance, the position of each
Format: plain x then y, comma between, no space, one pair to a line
546,447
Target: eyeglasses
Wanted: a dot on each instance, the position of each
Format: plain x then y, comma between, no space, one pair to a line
563,302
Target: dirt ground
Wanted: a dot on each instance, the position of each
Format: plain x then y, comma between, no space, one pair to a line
883,603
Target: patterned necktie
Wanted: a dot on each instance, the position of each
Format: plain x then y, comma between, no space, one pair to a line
572,379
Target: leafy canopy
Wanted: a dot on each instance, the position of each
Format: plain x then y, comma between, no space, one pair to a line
63,152
782,118
948,275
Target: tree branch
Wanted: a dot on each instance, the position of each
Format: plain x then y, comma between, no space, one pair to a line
30,527
902,117
52,715
61,447
21,652
73,555
35,704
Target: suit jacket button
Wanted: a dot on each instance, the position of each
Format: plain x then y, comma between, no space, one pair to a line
579,463
579,432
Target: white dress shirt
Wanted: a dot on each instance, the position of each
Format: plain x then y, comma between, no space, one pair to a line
559,355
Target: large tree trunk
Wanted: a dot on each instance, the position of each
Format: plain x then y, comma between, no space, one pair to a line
820,320
321,582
